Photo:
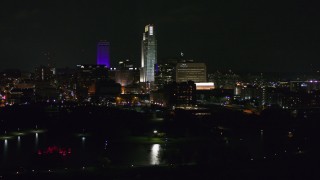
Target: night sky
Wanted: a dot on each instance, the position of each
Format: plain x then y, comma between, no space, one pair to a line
248,35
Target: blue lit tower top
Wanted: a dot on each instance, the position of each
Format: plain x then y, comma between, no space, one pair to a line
148,54
103,53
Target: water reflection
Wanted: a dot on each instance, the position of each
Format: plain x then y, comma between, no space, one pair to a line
36,141
5,149
155,151
18,142
83,141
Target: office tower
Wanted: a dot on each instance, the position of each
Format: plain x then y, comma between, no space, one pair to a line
165,74
126,74
44,73
103,53
196,72
148,54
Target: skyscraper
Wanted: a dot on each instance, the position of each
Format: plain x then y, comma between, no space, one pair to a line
148,54
103,53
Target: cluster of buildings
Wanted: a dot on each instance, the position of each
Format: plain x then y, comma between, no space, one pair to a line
171,83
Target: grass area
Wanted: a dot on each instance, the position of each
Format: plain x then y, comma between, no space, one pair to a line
12,134
38,131
5,137
82,134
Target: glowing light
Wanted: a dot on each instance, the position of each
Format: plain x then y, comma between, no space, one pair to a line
5,146
19,141
36,141
55,150
155,151
151,30
204,86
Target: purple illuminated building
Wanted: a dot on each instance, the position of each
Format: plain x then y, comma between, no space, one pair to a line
103,53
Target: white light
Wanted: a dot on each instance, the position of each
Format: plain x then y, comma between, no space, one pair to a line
151,30
155,131
155,150
204,86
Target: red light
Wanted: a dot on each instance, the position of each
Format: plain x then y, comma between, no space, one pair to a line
55,150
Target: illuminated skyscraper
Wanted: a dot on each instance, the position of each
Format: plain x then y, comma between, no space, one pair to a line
148,54
103,53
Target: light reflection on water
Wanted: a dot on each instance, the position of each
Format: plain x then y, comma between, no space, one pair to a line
18,142
5,149
136,154
83,141
5,145
36,142
154,155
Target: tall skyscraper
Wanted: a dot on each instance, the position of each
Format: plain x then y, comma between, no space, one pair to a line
148,54
103,53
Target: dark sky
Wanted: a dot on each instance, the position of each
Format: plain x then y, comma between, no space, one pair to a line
248,35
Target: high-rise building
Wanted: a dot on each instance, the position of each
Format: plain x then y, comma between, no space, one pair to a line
103,53
148,54
44,73
196,72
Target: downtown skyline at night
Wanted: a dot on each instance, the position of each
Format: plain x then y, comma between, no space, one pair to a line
119,89
250,36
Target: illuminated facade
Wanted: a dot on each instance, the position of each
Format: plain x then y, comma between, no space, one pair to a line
103,53
205,86
148,55
196,72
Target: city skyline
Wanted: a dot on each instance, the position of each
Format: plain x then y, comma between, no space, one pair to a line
109,89
242,36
